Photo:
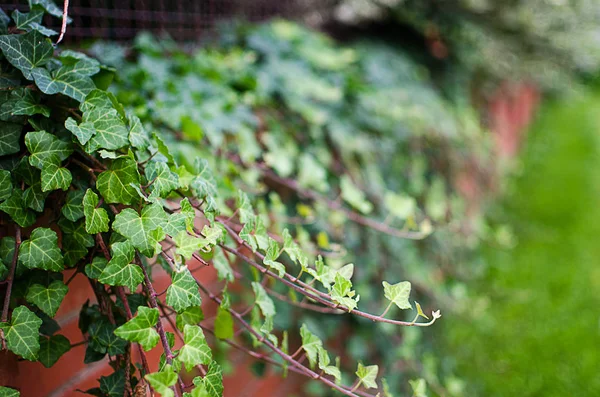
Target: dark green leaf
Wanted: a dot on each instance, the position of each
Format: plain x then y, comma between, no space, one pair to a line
52,348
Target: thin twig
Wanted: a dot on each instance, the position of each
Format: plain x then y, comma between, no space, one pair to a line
9,284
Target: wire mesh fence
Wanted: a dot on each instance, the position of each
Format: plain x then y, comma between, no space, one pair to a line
182,19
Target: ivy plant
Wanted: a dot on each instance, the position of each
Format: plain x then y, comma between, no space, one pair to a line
266,160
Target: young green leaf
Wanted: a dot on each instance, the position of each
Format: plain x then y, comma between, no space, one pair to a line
271,256
223,323
398,293
140,329
267,307
221,264
22,333
96,219
420,312
419,387
183,292
48,299
192,316
354,196
163,380
41,251
342,293
311,344
367,375
196,350
52,348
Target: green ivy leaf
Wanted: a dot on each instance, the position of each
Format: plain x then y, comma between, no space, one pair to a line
163,380
15,207
221,264
120,270
24,102
138,137
7,392
187,245
6,185
342,293
83,132
192,316
46,148
96,219
145,231
212,381
9,139
24,19
22,333
26,51
102,338
293,250
95,269
140,329
311,344
420,312
111,131
367,375
324,361
114,183
398,293
52,348
68,80
41,251
162,178
271,256
49,298
73,207
419,387
196,350
183,292
114,384
49,7
354,196
55,177
223,323
34,197
264,302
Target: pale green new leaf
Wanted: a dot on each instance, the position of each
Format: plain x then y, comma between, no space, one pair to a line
419,387
183,292
187,245
55,177
367,375
196,350
420,312
140,329
398,293
354,196
271,258
264,302
41,251
114,183
342,293
52,348
22,333
145,231
223,322
96,219
221,264
163,380
324,361
311,344
26,51
48,299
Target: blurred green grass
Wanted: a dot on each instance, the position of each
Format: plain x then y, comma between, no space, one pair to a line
539,334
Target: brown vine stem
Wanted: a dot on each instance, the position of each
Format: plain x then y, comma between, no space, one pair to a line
123,296
306,371
9,284
319,298
159,327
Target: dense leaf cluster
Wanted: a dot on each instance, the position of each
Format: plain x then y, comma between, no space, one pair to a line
263,158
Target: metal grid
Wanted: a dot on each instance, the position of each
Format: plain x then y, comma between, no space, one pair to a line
184,20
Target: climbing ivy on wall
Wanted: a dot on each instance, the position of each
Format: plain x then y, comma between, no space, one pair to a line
277,158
